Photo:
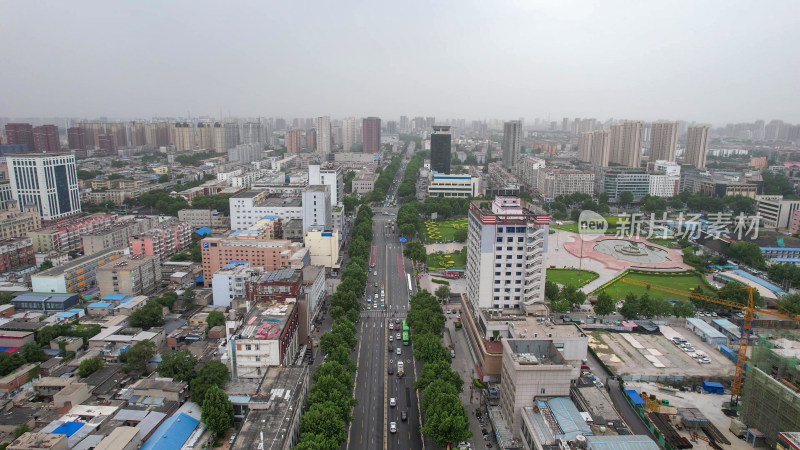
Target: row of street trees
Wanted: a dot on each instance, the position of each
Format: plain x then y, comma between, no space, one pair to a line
408,187
446,419
330,398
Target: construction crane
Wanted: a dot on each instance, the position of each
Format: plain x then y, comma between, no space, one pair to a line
749,312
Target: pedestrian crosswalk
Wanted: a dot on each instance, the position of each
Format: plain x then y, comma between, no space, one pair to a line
382,314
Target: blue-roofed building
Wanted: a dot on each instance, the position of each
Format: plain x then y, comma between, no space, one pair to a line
45,302
176,429
68,428
708,333
621,442
114,297
780,252
203,231
100,308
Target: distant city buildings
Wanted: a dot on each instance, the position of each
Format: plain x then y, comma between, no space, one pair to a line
324,138
626,144
349,133
20,133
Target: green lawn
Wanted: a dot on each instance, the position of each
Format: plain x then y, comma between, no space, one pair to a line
436,261
570,276
441,231
682,281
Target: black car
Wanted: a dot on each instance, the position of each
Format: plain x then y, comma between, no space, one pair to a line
403,416
390,348
391,370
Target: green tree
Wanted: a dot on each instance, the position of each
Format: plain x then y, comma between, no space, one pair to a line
443,293
6,297
213,373
46,334
22,429
460,235
215,319
163,178
177,365
630,307
188,298
428,348
415,251
90,365
136,357
573,296
747,253
32,352
322,422
683,309
217,410
559,305
439,370
46,264
604,304
626,197
551,290
789,304
148,316
447,421
350,203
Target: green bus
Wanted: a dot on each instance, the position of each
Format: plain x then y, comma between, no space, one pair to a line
405,333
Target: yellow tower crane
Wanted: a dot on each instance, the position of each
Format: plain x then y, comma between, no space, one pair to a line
749,312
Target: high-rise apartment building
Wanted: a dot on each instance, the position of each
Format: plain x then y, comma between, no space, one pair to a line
159,134
137,131
663,141
696,146
205,136
512,134
253,133
371,130
184,136
626,143
20,133
317,208
349,133
76,138
294,141
552,183
601,144
333,177
323,125
107,143
226,136
440,149
48,181
45,139
585,146
267,254
506,249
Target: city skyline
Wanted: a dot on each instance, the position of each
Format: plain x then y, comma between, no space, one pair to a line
679,67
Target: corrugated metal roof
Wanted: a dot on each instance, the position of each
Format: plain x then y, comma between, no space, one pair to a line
172,433
569,418
707,330
628,442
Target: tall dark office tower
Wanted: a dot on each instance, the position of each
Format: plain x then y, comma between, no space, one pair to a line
20,133
440,149
371,129
45,139
512,132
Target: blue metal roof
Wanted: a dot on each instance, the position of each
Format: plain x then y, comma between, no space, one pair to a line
173,433
100,305
67,314
634,396
203,231
780,249
785,259
114,297
760,281
68,428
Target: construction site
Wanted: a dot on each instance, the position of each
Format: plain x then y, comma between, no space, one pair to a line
771,397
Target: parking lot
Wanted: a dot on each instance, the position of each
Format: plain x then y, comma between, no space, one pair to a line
657,355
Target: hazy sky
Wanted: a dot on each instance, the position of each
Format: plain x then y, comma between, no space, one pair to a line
705,61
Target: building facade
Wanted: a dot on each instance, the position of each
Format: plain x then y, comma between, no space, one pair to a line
317,208
625,147
16,253
512,141
78,275
267,254
132,275
453,186
441,143
696,146
506,249
49,181
555,182
371,134
617,181
663,141
46,139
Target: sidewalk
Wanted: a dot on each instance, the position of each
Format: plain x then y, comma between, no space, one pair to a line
470,396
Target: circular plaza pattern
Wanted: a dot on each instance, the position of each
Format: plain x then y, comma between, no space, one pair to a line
635,252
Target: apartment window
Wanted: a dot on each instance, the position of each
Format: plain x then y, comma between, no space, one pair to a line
511,239
497,273
508,289
499,239
496,306
519,239
508,265
516,298
498,265
496,281
497,289
496,297
509,248
499,229
499,248
519,273
498,257
519,264
519,257
519,282
247,347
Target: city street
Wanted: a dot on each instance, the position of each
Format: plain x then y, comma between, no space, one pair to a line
374,386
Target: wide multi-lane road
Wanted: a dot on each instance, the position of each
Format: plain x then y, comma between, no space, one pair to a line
374,386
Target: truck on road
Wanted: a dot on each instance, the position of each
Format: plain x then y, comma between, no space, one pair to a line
400,370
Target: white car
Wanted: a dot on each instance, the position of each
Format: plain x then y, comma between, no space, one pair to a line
397,336
399,350
393,427
391,338
392,401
